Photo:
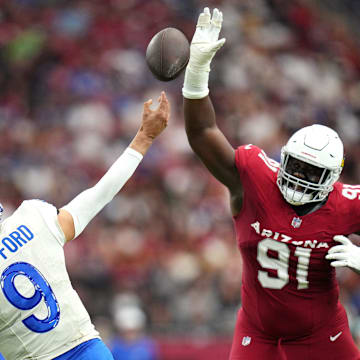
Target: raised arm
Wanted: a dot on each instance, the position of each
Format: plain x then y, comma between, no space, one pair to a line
208,142
75,216
205,138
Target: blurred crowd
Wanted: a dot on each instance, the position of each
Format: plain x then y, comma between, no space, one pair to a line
73,80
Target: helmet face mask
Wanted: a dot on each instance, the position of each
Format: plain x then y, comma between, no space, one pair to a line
299,189
311,162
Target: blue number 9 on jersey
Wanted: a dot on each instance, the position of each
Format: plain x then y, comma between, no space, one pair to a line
42,291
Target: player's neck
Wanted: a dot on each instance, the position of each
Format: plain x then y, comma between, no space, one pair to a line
305,209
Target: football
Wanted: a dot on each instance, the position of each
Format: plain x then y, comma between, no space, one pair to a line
167,54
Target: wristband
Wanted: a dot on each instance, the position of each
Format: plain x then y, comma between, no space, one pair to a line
196,82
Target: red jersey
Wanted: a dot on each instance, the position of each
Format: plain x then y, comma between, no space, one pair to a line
288,287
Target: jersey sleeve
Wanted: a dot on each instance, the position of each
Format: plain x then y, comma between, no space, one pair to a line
48,214
251,161
348,207
242,155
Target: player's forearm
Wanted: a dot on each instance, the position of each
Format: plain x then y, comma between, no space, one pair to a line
87,204
141,142
199,118
199,115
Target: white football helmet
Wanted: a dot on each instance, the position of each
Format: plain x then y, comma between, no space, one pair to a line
318,146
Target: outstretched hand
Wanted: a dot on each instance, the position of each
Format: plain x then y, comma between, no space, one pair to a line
153,123
205,43
347,254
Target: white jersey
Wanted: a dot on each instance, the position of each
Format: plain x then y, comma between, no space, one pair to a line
41,315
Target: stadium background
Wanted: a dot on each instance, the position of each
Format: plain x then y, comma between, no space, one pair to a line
72,83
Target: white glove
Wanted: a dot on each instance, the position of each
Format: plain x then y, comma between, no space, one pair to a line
204,46
346,254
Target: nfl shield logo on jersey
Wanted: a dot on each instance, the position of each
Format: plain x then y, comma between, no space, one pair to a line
296,222
246,341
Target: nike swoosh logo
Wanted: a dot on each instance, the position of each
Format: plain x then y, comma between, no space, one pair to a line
333,338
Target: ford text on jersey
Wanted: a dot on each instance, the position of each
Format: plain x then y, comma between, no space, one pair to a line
15,240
